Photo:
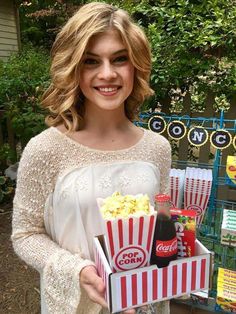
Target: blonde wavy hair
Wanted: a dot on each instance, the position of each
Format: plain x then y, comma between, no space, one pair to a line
63,98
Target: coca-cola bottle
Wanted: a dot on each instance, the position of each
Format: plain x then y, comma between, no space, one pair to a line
164,248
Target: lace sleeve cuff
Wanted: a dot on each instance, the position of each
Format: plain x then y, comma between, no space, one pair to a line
61,287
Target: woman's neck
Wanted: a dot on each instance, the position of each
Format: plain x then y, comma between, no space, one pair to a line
105,121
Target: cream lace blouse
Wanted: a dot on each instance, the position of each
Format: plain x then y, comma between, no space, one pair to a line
55,212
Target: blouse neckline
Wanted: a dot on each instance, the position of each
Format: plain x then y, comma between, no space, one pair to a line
75,143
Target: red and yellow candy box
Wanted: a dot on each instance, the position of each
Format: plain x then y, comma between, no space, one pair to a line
185,225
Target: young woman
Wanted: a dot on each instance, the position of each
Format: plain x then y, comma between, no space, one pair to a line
100,71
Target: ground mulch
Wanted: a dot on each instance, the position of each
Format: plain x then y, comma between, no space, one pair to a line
19,283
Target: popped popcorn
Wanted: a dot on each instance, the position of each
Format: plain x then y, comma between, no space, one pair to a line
119,206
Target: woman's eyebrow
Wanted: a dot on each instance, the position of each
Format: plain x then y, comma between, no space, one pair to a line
114,53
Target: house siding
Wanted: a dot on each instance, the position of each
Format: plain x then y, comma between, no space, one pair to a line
9,41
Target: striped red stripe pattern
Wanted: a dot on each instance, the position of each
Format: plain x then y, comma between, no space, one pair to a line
174,190
135,231
196,196
102,270
155,284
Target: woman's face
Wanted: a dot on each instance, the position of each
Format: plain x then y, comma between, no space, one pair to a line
106,73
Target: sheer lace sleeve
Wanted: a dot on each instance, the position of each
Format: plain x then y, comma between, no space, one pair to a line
59,267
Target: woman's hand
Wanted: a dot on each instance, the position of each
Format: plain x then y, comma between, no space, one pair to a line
94,285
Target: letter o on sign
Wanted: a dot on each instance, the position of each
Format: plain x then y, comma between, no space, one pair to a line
157,124
176,130
220,139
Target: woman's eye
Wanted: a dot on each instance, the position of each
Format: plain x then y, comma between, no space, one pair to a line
121,59
90,61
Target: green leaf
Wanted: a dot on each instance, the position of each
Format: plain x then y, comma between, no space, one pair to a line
2,180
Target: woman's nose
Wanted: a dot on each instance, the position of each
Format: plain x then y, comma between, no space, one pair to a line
107,72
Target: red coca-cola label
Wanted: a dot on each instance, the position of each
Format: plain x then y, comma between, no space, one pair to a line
166,248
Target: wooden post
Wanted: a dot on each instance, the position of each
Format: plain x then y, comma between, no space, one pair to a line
11,135
184,143
1,132
208,113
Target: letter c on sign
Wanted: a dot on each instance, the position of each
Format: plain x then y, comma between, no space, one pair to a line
221,139
157,124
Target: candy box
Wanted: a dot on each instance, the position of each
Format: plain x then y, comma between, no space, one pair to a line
226,290
185,225
226,300
226,275
145,285
231,170
229,213
228,233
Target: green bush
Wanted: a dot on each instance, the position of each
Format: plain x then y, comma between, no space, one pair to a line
6,189
193,45
23,78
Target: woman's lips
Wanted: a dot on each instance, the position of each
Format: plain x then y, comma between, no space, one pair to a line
107,90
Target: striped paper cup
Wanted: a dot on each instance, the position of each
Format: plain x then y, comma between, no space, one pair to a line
177,177
129,241
197,190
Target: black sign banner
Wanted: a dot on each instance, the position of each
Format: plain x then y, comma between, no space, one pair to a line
220,139
176,130
197,136
157,124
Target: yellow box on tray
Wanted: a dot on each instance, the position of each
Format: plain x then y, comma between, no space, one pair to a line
226,276
226,290
231,170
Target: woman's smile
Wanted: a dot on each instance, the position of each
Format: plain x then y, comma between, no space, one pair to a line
108,90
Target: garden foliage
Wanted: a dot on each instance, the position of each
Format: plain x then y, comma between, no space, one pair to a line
22,80
193,44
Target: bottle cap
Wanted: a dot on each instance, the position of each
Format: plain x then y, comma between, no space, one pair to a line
162,198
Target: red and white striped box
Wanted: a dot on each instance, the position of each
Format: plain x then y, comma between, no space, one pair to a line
197,190
177,177
136,287
128,241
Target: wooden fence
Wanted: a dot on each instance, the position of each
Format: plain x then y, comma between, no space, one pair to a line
224,192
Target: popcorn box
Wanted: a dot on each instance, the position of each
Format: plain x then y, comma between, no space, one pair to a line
185,225
197,190
177,177
128,241
145,285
